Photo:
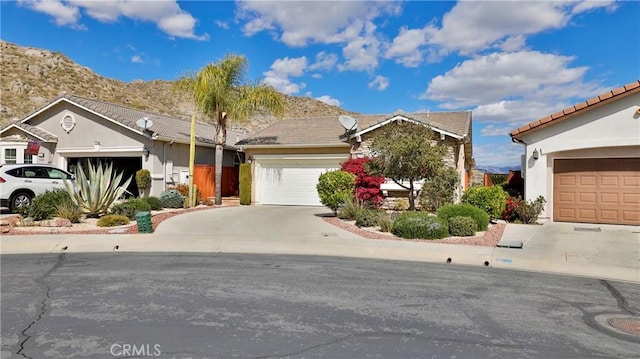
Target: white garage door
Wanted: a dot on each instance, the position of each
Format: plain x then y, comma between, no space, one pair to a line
292,180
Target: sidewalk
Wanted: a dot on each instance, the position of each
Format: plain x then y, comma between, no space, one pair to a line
613,253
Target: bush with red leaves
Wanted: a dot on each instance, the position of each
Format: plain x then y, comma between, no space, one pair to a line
367,186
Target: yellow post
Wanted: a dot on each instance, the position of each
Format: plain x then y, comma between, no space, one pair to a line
192,159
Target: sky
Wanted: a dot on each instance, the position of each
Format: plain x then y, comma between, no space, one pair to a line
509,62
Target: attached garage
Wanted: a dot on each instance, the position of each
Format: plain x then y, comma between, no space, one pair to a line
602,190
585,159
292,179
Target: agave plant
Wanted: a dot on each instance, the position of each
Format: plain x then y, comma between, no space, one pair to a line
95,194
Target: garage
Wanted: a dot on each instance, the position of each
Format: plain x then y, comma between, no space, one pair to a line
600,190
291,180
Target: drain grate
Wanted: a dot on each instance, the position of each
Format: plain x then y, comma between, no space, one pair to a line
587,229
627,325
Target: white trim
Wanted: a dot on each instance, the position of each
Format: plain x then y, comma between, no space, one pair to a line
403,118
26,131
82,107
336,156
132,149
311,145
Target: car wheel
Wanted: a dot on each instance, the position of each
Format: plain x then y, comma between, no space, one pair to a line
20,200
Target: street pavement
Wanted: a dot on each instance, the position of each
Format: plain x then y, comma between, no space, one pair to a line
596,251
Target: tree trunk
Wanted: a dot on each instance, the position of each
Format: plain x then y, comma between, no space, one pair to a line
412,200
221,138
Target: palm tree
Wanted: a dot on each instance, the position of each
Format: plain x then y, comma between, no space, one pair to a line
221,92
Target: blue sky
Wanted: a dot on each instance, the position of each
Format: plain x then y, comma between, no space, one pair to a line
510,62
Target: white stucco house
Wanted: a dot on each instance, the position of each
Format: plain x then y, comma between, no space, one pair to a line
585,159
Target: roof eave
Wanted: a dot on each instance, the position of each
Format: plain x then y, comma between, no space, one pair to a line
293,145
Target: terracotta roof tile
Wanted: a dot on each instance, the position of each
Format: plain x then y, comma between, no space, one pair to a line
592,101
564,114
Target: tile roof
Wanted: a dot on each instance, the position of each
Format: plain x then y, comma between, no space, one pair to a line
579,108
44,135
326,130
167,127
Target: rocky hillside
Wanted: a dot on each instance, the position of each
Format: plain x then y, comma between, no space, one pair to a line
31,77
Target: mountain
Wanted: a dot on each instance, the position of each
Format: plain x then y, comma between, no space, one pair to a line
495,169
31,77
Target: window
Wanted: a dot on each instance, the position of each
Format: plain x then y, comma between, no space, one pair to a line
10,155
68,123
56,173
28,158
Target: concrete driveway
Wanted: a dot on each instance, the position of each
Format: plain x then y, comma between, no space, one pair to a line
255,222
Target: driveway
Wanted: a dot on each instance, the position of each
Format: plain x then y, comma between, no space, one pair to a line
255,222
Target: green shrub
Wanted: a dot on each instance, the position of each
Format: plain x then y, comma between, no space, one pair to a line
368,217
154,203
335,188
439,190
44,206
143,180
385,222
245,184
111,220
491,199
350,209
465,210
419,225
462,226
528,211
172,199
69,210
130,207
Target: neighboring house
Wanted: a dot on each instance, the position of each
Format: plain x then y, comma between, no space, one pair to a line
72,130
288,157
585,159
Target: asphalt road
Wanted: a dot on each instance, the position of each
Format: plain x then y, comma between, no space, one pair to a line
273,306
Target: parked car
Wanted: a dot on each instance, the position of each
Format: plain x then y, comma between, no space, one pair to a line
19,183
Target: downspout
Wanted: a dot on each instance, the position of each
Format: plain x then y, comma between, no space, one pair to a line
164,166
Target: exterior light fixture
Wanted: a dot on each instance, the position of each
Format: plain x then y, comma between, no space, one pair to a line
145,152
536,154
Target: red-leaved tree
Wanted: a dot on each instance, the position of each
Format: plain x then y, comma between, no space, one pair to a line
367,186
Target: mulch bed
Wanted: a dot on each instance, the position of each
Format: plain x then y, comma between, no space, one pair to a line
490,238
132,228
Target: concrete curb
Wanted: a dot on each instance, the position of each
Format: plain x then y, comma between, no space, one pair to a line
556,262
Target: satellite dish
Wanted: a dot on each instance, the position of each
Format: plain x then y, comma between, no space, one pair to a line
348,122
144,122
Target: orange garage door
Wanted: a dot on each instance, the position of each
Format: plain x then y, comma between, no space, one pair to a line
601,190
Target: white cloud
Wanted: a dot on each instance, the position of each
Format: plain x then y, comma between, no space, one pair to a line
380,83
63,14
324,61
222,24
301,23
280,71
316,76
494,130
473,26
137,59
329,100
406,47
516,87
298,23
167,15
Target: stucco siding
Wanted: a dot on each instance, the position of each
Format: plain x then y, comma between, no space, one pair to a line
609,131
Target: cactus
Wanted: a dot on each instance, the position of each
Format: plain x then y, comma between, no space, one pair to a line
96,194
172,199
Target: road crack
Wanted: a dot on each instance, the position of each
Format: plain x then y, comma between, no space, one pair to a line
43,304
622,302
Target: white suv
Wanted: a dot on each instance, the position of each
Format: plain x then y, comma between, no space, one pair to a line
19,183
